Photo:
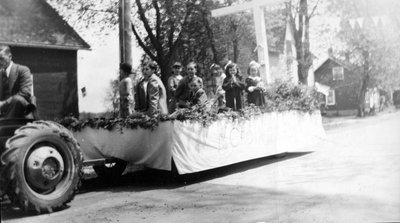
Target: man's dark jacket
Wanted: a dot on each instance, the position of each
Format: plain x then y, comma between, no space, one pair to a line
20,83
155,100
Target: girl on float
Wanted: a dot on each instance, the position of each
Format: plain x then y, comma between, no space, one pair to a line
254,85
233,85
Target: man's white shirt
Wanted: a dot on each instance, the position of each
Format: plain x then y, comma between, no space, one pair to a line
8,70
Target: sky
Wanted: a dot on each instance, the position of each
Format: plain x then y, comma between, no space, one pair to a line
97,67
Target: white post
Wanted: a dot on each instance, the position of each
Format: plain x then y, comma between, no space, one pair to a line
262,46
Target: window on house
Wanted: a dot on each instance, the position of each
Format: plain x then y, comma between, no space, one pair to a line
338,73
330,99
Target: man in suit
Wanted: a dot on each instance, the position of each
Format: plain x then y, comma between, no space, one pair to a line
151,96
16,86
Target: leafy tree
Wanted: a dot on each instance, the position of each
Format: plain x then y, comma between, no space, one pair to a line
177,30
235,34
180,30
98,16
200,38
373,47
166,30
235,37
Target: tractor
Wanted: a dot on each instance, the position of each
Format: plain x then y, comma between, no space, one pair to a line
42,164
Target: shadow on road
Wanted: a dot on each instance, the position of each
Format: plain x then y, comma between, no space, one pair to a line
235,168
151,179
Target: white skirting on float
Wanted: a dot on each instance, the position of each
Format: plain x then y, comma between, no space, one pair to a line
195,148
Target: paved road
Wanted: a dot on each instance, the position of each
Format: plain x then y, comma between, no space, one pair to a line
353,176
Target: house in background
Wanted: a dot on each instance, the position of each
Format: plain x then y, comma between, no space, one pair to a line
343,81
396,98
40,39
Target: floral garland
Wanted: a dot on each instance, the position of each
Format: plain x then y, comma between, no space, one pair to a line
133,122
279,97
286,96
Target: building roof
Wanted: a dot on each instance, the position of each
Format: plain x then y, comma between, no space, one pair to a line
34,23
342,63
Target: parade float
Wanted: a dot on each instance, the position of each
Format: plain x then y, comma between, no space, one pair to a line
201,139
42,161
194,147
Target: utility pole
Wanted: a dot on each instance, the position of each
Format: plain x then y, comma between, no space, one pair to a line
125,40
125,32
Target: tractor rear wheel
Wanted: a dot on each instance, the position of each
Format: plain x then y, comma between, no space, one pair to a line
45,166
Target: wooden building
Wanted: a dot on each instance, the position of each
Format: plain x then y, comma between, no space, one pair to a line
344,86
40,39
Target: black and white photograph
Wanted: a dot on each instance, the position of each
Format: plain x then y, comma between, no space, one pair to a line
256,111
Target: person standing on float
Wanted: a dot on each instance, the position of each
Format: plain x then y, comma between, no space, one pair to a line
254,85
233,85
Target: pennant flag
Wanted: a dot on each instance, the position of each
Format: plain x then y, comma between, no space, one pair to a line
83,90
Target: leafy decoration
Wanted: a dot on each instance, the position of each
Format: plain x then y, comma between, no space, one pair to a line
280,97
286,96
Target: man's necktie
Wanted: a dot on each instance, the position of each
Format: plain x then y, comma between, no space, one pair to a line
5,85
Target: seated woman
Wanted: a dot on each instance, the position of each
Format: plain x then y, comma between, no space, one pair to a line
254,85
151,96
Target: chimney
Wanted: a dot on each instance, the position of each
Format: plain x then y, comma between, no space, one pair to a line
330,52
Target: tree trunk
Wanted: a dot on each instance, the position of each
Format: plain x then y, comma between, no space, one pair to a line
303,51
164,70
235,43
302,41
301,71
363,90
210,34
